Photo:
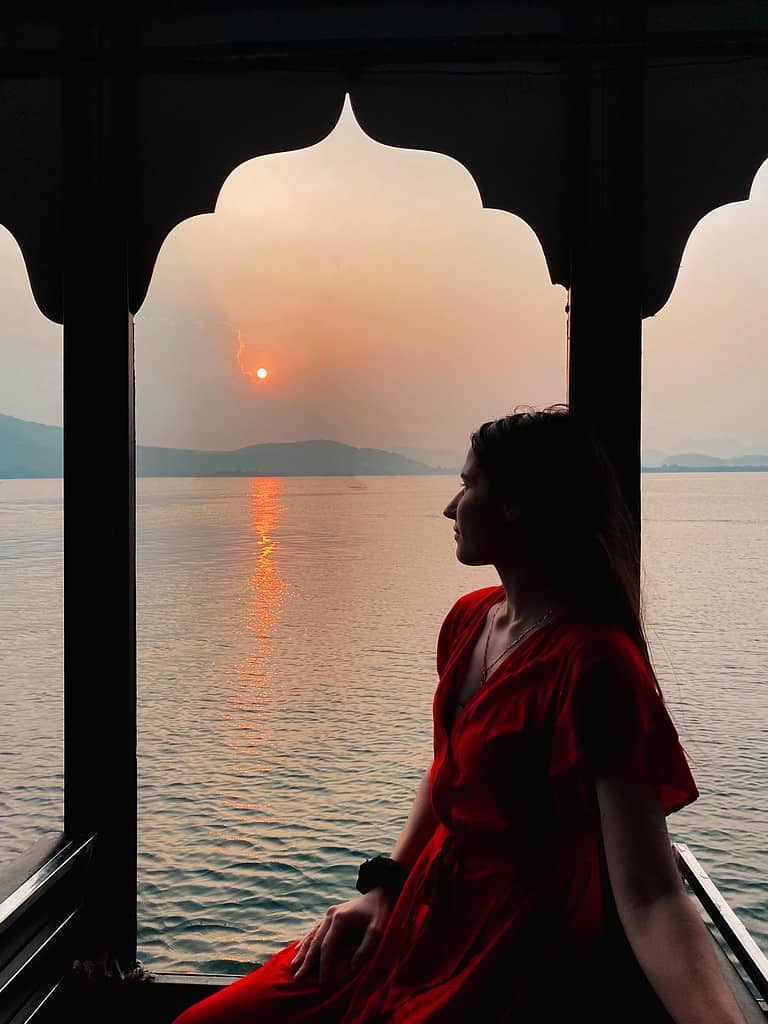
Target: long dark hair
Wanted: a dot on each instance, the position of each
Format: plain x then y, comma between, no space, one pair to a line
573,516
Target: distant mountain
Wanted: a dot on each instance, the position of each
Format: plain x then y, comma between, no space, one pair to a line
654,460
441,458
652,457
695,460
291,458
35,450
749,460
30,449
728,448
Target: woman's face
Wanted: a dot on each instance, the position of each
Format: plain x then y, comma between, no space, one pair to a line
482,524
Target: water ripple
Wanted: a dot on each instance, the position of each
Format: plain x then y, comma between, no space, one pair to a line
286,675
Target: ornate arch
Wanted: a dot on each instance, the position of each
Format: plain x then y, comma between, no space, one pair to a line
194,130
705,135
30,181
507,125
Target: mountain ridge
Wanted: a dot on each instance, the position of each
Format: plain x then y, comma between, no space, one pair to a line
35,450
31,450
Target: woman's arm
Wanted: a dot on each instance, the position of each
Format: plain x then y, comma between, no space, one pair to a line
673,947
365,916
418,829
664,929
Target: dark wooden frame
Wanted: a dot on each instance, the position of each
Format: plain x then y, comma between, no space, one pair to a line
100,776
98,61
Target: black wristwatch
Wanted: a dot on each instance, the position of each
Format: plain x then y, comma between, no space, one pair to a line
383,871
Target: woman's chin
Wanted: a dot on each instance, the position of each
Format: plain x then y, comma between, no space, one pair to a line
463,556
466,557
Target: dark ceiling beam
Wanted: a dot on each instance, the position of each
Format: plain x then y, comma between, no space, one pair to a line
336,53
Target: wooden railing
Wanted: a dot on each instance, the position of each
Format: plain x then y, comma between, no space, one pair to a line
41,896
735,939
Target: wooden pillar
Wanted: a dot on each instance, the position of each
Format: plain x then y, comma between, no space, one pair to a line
605,323
99,489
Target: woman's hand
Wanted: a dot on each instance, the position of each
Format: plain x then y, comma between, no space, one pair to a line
356,925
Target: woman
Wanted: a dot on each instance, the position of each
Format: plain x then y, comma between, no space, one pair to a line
534,878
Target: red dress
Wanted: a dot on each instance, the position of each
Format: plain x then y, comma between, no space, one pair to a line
507,914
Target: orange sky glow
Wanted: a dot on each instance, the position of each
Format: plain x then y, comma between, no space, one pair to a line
389,308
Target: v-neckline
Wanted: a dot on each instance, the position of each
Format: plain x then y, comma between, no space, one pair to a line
464,651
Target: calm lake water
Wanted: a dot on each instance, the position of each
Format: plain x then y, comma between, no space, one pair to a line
287,630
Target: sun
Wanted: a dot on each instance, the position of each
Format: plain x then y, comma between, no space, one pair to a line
254,376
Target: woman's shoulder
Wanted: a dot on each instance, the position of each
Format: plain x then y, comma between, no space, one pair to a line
454,622
591,642
467,603
461,612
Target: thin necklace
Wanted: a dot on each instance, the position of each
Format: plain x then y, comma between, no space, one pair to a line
487,668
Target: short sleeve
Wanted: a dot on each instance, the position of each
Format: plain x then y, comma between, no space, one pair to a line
611,721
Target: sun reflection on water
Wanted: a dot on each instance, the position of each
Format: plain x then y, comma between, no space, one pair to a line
252,700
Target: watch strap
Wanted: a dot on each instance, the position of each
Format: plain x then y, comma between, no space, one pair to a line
381,871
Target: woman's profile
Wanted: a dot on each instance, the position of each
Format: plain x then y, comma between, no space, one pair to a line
534,878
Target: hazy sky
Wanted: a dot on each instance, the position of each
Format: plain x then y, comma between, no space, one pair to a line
391,309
